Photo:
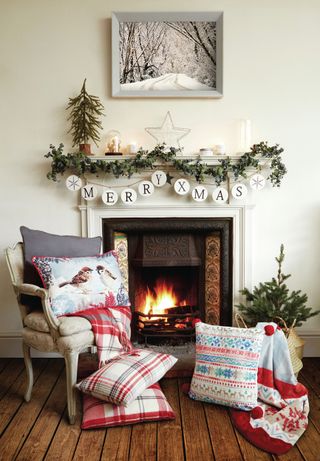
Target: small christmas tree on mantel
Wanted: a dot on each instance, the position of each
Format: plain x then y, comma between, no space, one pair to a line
272,300
86,111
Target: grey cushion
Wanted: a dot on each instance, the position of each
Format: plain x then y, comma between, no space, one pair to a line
39,243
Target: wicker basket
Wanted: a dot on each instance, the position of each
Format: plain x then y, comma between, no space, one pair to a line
295,345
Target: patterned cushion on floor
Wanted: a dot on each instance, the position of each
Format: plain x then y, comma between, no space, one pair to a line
151,405
226,365
124,378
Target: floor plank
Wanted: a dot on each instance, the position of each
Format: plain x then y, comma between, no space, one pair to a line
9,374
195,430
223,439
3,363
311,373
250,452
21,424
42,432
292,455
66,437
13,399
170,437
90,445
144,442
314,403
309,444
117,444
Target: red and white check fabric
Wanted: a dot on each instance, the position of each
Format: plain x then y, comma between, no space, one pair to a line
124,378
111,328
151,405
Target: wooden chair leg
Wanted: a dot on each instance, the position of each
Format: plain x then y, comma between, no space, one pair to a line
71,360
29,370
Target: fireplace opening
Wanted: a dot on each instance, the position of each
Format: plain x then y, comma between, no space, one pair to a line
177,271
166,303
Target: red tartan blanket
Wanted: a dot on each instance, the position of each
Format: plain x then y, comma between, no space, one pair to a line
111,328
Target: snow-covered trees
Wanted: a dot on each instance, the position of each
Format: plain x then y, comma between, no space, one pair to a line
149,50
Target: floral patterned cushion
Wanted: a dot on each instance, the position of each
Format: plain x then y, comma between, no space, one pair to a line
76,284
226,365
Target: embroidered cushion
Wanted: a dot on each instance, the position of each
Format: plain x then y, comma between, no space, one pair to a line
124,378
226,365
76,284
151,405
37,242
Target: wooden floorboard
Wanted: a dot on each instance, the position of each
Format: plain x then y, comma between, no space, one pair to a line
117,444
170,436
13,399
39,430
9,374
195,430
222,434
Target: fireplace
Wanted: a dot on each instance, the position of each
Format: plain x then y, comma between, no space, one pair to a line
177,272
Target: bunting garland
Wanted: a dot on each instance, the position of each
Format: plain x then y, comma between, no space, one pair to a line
248,166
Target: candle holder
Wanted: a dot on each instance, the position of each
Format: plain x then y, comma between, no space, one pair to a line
132,148
113,143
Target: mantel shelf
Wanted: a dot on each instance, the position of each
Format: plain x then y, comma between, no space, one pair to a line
209,159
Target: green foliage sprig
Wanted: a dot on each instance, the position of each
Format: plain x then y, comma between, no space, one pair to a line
272,299
86,111
80,164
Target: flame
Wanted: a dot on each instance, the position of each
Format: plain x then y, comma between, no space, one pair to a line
161,299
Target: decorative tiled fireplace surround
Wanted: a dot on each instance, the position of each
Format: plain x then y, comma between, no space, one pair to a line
93,218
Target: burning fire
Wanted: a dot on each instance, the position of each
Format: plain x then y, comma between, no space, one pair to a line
161,299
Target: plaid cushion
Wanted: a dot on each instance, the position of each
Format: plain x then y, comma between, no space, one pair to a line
226,365
124,378
151,405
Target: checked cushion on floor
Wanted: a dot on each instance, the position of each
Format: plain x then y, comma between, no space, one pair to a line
124,378
151,405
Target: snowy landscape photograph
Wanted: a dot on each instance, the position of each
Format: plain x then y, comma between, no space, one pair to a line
169,57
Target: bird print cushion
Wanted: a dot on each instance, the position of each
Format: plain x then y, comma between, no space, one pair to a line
76,284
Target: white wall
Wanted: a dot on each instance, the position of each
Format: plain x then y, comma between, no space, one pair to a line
271,76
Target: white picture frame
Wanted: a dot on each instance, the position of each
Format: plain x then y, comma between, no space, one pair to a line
146,45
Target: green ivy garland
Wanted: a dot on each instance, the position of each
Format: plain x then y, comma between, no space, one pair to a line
80,164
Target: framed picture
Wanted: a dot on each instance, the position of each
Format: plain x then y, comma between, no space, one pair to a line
167,54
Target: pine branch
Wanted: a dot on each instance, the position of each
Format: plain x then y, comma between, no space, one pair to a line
85,112
273,299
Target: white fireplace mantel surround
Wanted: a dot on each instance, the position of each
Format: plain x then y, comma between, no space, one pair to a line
92,223
242,214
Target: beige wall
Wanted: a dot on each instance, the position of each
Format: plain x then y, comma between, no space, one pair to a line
271,76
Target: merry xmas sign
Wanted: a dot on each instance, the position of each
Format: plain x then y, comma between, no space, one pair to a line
146,188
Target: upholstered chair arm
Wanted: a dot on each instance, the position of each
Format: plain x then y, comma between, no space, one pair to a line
34,290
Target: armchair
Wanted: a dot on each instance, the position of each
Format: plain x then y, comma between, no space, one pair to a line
43,331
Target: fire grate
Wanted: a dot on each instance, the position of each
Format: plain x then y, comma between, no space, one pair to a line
179,324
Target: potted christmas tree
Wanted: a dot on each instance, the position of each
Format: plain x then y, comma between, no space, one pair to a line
272,301
86,111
